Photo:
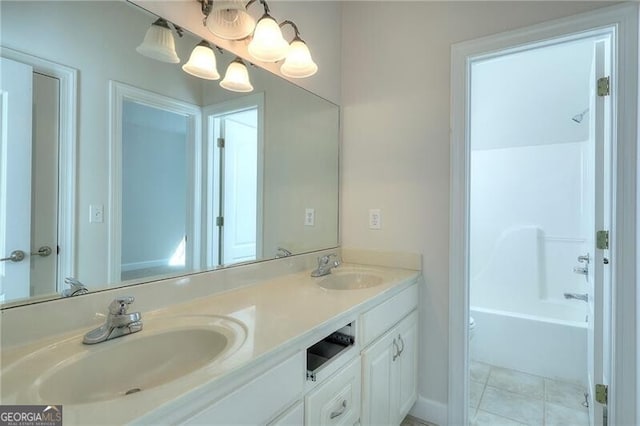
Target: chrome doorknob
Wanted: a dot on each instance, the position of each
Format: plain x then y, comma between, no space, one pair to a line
15,256
43,251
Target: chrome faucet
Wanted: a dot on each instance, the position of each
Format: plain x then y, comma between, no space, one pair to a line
325,265
282,252
76,288
119,322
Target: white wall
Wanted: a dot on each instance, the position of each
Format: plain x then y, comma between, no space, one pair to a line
395,98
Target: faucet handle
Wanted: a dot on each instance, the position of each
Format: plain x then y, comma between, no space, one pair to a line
120,305
324,260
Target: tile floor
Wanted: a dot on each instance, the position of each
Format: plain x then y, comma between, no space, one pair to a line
499,396
412,421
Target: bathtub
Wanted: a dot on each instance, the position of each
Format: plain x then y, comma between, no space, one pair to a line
545,347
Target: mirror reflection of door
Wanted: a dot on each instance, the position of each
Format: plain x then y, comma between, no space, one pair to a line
155,155
29,162
235,135
239,159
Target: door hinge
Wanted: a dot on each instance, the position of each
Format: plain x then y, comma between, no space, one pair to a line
602,240
603,86
220,143
602,394
219,221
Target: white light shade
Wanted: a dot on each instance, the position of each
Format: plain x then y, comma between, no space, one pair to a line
298,63
236,78
158,43
268,45
229,20
202,63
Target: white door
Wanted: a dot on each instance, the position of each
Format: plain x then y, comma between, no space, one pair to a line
16,94
240,183
44,209
599,277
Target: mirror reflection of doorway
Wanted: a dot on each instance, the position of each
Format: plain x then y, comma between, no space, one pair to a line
238,192
36,175
155,150
235,170
155,181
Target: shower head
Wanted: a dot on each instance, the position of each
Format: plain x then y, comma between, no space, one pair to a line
579,117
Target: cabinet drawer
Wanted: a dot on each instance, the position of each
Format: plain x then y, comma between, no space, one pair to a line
378,320
337,401
259,400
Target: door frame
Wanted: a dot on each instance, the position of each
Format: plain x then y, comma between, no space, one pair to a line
622,23
118,93
67,156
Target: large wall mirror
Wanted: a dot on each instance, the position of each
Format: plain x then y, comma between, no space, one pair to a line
117,169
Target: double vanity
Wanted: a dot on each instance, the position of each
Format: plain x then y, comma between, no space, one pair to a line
273,345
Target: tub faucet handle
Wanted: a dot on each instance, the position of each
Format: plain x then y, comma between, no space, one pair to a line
584,258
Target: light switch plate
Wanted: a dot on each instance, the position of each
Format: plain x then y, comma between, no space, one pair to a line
375,219
96,213
309,217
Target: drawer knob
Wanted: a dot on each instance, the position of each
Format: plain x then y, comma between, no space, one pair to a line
340,410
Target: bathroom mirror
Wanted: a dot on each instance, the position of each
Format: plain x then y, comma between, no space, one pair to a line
140,188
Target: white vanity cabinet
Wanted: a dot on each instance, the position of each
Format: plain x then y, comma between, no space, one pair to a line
390,363
336,401
264,398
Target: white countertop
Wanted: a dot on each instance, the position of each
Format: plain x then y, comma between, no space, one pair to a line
281,315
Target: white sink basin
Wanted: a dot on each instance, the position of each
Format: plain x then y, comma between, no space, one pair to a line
166,350
350,279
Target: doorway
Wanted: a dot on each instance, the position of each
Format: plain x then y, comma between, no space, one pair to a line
155,183
617,253
38,150
234,139
538,150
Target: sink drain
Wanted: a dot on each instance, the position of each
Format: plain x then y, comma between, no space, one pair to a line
134,390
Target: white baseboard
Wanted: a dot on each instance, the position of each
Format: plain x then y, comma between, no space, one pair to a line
430,410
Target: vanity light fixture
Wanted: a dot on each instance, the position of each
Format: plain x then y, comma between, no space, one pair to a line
227,19
236,78
230,20
268,44
202,62
159,44
298,63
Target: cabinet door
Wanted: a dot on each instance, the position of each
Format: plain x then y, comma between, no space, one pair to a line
378,382
407,364
337,401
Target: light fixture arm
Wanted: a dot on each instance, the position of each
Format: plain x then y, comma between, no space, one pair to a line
161,22
295,29
262,2
205,6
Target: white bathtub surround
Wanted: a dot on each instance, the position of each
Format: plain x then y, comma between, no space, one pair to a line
535,345
283,314
510,397
527,231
